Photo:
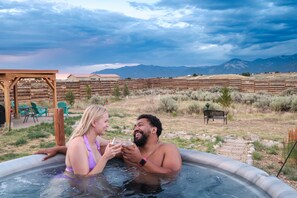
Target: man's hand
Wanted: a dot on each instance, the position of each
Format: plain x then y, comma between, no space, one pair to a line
132,154
53,151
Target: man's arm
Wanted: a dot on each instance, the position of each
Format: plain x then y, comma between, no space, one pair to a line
51,152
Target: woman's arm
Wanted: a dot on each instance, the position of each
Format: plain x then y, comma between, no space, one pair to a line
77,157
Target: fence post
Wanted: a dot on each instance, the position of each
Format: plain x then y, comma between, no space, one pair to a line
59,127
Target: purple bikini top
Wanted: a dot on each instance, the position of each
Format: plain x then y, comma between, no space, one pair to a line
92,162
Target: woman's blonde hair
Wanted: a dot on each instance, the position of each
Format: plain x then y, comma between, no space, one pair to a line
91,114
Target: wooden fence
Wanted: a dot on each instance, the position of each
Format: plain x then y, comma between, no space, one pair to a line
38,90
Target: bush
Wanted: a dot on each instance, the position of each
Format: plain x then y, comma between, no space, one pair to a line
225,98
288,145
126,91
263,103
294,104
257,156
249,98
246,74
88,91
289,92
116,92
97,100
79,104
194,108
282,103
168,105
20,142
236,97
69,97
180,97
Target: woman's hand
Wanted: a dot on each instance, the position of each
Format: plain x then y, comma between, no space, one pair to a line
111,151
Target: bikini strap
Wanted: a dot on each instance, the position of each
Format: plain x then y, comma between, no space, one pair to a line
87,143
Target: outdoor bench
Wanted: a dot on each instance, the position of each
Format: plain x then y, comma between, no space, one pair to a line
215,114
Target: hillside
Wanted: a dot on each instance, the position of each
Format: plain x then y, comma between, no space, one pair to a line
234,66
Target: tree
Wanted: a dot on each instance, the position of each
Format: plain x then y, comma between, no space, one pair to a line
70,97
246,74
116,92
126,91
88,91
225,99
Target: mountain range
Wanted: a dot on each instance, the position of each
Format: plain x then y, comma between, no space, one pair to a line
284,63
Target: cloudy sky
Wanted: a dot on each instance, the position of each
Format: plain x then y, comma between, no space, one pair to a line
82,36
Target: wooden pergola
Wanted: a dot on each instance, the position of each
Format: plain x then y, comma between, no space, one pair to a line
9,79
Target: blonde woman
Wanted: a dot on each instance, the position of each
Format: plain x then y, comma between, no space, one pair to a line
84,156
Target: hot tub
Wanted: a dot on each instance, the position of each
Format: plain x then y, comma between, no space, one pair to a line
202,175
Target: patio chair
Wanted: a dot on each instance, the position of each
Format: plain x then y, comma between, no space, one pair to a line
23,109
63,105
39,110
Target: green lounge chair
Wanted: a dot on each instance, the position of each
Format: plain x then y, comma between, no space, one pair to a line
39,110
23,109
63,105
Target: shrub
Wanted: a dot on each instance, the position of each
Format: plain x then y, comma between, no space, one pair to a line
20,142
215,89
88,92
69,97
289,92
263,103
180,97
236,97
194,108
294,104
259,146
290,172
116,92
225,98
272,150
257,156
282,103
79,104
168,105
288,144
126,91
97,100
246,74
249,98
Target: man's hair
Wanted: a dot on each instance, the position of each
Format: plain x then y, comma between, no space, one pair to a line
154,121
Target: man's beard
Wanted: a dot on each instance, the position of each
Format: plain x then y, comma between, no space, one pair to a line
142,141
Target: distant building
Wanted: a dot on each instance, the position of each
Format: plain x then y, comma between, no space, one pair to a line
92,77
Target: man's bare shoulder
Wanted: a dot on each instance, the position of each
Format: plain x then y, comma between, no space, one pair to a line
168,146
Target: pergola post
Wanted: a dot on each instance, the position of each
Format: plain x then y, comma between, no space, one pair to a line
7,102
59,127
16,101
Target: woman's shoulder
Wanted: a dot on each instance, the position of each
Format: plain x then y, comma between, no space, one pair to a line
77,141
